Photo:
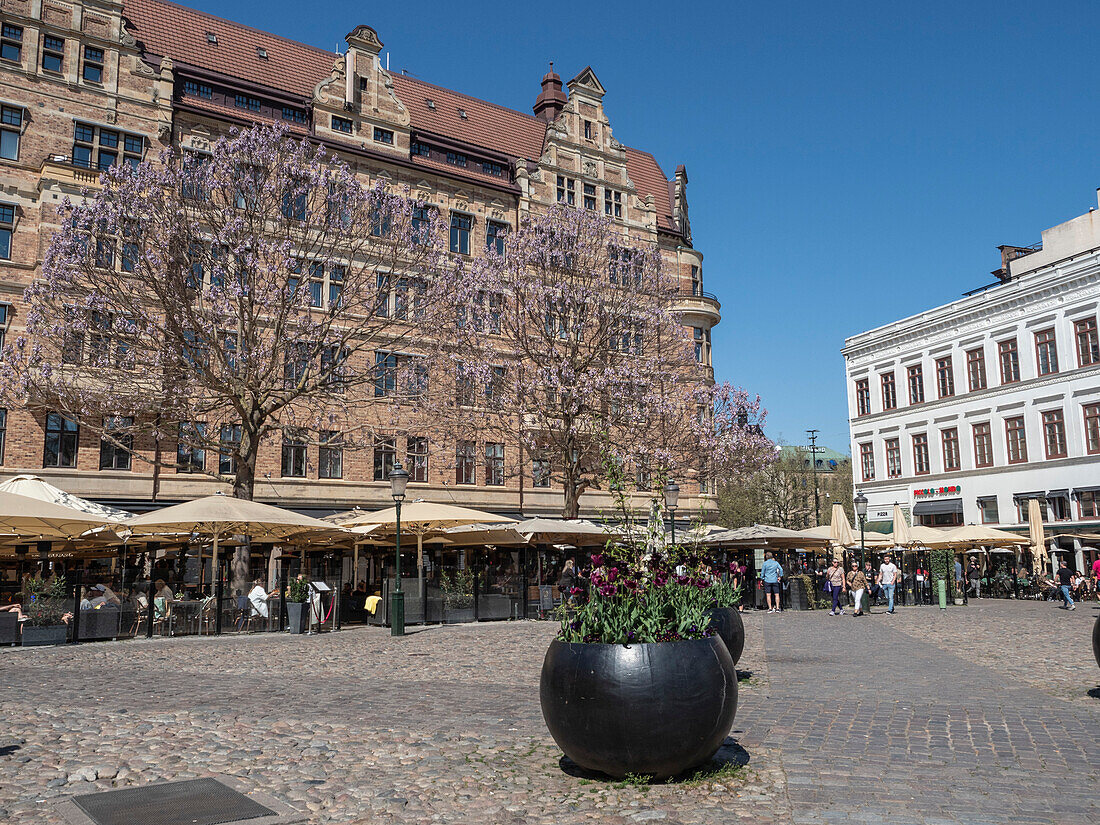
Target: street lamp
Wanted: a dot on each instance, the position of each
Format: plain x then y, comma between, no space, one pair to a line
399,479
672,498
860,502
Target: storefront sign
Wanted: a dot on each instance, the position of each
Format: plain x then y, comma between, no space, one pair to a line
932,492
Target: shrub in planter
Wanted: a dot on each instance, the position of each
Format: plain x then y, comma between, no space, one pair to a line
297,604
724,616
44,607
458,594
637,682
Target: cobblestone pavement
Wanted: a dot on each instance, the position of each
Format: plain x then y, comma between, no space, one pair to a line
444,726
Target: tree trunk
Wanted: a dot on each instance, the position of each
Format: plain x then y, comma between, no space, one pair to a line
571,490
244,483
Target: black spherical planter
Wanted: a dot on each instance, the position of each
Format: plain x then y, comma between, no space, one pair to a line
1096,640
727,621
649,709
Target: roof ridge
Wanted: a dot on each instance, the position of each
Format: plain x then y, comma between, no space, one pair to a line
471,97
235,24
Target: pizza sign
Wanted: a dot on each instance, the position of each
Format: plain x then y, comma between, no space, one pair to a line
928,492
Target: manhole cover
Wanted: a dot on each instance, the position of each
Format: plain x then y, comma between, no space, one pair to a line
193,802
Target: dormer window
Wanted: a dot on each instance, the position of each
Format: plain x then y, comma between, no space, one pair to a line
589,130
294,115
462,113
212,38
246,102
431,103
261,53
456,159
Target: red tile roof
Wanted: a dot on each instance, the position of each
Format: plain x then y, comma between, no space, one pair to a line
169,30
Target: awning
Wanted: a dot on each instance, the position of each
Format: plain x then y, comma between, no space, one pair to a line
1028,496
1063,493
938,508
1078,490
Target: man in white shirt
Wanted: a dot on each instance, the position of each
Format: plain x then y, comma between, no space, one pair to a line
888,579
257,597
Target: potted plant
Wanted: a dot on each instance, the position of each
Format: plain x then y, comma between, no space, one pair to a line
44,608
458,596
637,682
724,617
297,604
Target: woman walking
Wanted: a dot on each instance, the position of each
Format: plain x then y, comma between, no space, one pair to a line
857,583
834,580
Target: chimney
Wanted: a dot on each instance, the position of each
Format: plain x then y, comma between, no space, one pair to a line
552,99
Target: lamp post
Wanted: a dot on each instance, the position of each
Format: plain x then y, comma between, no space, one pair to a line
399,479
672,498
860,502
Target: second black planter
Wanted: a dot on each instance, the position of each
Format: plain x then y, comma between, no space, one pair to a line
727,621
647,709
297,614
1096,640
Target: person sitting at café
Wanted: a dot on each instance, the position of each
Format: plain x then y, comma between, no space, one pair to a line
164,591
109,595
17,609
87,596
257,598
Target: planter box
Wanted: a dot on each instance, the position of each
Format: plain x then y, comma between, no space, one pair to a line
297,614
9,628
458,615
54,634
494,606
99,624
799,598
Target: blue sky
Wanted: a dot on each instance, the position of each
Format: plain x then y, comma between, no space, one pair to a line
851,163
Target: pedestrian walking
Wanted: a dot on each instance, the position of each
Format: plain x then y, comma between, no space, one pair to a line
837,586
888,579
1065,584
772,572
857,583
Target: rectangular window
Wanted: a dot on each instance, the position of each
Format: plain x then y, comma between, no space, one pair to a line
490,168
7,228
95,147
93,65
62,441
465,462
192,88
589,130
696,280
116,447
190,452
417,452
11,43
566,190
1016,438
867,460
421,149
1088,343
230,444
915,375
294,454
1092,428
494,236
1009,355
494,464
294,203
3,432
293,115
247,102
460,233
540,473
945,377
385,453
975,369
988,508
1088,504
1054,433
316,283
341,124
983,445
11,123
1059,508
950,442
863,397
1046,352
385,374
53,54
456,159
330,455
889,391
336,273
589,196
920,455
383,136
893,458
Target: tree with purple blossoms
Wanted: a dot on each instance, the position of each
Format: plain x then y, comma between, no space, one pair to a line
216,301
566,345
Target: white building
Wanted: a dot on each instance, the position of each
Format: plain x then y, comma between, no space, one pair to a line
965,412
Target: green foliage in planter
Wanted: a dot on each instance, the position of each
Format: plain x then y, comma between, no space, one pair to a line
44,601
941,564
725,593
297,590
815,599
457,589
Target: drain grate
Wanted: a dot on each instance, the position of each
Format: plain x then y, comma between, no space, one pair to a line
192,802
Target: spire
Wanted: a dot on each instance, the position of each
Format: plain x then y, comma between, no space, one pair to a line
552,99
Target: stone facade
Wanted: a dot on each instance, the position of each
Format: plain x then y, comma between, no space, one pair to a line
87,83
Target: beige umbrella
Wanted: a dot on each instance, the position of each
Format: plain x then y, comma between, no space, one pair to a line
421,518
35,487
1037,534
840,531
219,516
31,519
578,532
476,534
920,536
976,535
764,535
902,535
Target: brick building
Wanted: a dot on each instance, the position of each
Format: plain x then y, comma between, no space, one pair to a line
87,84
